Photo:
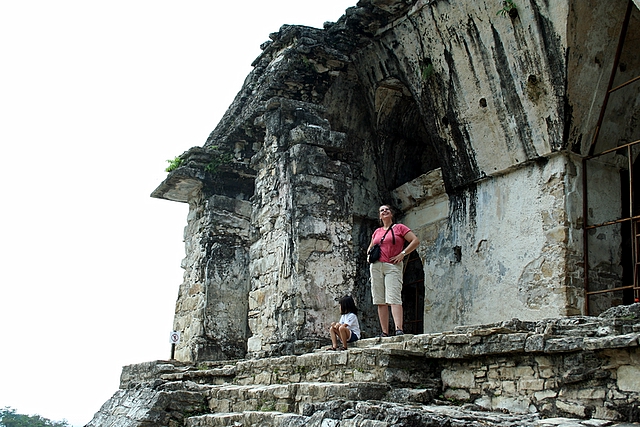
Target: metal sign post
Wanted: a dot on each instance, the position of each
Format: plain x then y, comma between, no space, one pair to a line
174,339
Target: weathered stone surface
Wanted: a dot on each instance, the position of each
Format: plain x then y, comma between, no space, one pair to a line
475,124
391,379
151,405
471,122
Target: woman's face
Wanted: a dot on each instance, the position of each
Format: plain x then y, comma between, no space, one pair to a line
385,212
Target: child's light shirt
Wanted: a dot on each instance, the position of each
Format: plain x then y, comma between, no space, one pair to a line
351,320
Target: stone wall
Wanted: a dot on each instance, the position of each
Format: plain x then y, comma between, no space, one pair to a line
301,260
494,259
212,306
569,372
471,122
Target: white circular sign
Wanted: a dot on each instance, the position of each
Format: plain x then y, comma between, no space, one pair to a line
174,338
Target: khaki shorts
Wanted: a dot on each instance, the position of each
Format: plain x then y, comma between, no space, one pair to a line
386,283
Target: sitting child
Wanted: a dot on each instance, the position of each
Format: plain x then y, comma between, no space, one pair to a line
348,328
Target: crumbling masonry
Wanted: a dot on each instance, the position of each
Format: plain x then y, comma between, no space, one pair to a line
471,122
474,119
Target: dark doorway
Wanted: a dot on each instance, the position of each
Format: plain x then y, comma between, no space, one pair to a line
629,232
413,295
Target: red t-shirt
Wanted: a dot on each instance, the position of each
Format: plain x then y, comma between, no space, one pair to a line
388,249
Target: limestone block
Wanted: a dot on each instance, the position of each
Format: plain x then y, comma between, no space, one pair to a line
628,378
484,402
457,394
546,394
254,343
593,393
458,379
480,373
517,405
456,339
543,362
306,247
546,372
509,388
423,190
571,408
618,341
555,345
531,384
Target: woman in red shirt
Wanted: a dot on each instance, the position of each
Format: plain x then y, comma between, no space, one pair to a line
386,273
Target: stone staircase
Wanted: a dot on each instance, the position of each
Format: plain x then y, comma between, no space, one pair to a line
560,372
288,384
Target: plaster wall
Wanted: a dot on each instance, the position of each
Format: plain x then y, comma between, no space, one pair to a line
506,248
489,87
593,31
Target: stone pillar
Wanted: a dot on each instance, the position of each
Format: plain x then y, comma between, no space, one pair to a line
301,261
211,311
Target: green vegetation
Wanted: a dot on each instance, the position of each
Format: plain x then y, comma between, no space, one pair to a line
427,71
218,158
9,418
173,164
507,7
267,406
303,370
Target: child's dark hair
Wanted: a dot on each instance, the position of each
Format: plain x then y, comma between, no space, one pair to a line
347,305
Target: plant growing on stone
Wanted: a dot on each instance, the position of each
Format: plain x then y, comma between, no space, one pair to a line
267,406
173,164
427,71
508,8
218,158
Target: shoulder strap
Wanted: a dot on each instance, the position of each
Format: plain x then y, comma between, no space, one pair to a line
392,234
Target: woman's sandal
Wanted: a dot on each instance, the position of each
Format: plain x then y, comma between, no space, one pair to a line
332,349
383,335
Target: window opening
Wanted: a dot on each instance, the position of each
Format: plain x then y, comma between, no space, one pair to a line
627,225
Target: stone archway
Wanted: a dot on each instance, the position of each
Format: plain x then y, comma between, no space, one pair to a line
408,156
406,150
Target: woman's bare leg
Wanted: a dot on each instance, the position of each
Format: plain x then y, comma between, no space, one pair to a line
396,312
383,315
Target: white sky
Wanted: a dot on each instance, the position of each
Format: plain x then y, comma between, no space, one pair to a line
95,96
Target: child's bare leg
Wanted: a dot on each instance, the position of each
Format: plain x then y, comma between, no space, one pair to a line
332,332
345,334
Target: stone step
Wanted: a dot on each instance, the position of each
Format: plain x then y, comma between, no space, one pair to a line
289,397
373,364
380,414
293,397
215,376
249,418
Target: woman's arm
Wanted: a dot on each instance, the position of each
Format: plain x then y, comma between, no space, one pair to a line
370,245
413,244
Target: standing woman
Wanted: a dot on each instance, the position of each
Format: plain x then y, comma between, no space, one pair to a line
386,273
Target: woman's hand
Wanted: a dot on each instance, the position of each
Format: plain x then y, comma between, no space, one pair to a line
398,258
413,243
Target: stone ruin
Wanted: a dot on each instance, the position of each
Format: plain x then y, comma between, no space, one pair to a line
472,123
483,123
